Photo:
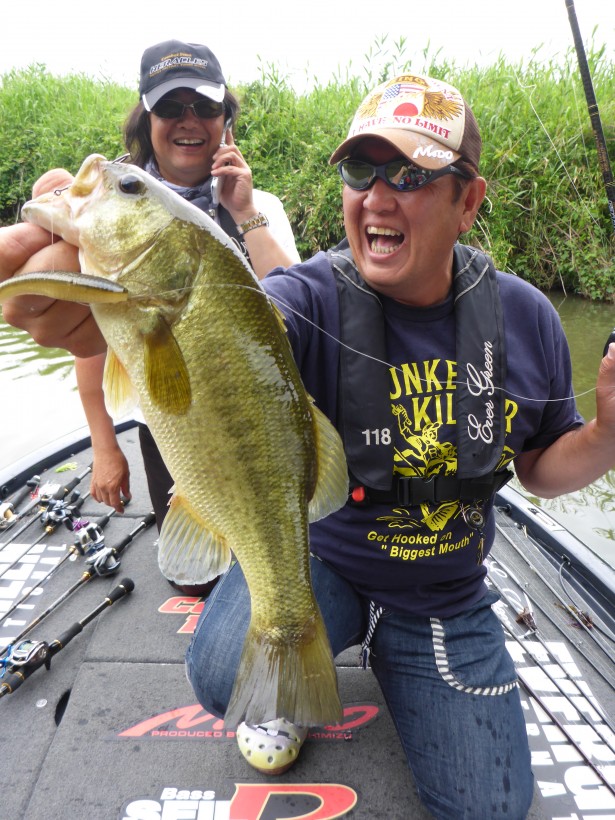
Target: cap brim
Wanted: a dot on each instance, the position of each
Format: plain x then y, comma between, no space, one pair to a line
214,91
420,149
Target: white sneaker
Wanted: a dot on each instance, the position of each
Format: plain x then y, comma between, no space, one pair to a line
271,747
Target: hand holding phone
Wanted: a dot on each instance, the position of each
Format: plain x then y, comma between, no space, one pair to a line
216,183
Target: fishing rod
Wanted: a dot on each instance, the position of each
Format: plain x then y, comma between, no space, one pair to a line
9,512
102,563
581,622
592,107
565,728
30,655
47,490
53,514
90,538
59,495
527,618
20,495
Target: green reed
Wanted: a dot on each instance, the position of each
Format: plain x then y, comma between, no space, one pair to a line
545,217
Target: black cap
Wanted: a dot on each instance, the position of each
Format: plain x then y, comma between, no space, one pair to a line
174,64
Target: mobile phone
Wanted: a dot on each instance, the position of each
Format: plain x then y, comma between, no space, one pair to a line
216,183
609,341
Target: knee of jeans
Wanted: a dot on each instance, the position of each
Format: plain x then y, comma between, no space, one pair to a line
209,676
515,810
482,803
210,690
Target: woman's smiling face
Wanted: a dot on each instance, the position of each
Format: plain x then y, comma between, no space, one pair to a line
184,146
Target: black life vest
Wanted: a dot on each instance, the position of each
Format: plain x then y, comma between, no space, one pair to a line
364,385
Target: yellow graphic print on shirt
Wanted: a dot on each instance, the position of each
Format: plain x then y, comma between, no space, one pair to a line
420,450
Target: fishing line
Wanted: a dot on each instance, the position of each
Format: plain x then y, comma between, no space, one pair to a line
399,370
390,366
530,89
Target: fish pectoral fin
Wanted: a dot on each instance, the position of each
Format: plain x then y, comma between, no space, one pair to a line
279,316
331,491
166,373
64,285
120,394
189,550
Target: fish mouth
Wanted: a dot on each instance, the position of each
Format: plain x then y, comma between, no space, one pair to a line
56,211
383,240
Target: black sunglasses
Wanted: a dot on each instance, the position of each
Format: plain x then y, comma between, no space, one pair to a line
399,174
174,109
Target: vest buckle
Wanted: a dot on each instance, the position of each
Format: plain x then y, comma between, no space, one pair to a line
412,490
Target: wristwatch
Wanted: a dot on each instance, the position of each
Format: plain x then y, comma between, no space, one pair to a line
257,221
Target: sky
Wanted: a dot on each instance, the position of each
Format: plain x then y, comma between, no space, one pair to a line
303,41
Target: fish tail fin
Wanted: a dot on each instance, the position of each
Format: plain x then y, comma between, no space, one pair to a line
189,550
331,491
296,680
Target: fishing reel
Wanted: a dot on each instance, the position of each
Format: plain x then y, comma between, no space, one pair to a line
58,511
89,539
7,515
26,655
103,561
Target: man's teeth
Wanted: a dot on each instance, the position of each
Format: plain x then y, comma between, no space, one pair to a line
377,246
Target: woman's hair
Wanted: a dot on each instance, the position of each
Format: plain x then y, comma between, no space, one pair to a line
136,130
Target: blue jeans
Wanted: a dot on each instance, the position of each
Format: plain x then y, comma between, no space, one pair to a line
449,685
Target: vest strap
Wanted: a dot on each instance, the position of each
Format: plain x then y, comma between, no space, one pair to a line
412,490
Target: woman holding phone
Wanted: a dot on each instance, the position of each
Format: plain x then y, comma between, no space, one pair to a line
181,132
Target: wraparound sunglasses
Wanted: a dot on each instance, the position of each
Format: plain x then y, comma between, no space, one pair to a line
173,109
399,174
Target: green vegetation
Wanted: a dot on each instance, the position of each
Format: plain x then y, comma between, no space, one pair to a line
546,216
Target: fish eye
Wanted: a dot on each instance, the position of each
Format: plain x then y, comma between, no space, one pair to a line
131,184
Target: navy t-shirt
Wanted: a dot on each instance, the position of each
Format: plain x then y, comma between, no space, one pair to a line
424,560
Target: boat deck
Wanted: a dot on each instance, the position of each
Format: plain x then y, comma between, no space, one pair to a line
113,730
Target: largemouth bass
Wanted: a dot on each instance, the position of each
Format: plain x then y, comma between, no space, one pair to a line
192,335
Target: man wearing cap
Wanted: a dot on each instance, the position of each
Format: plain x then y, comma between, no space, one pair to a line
447,372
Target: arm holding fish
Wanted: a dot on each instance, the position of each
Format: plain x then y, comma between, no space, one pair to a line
237,195
27,248
579,456
110,471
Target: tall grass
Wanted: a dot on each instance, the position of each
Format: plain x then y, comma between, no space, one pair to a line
545,216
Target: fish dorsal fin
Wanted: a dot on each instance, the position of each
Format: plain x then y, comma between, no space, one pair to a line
189,550
166,374
331,491
120,394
